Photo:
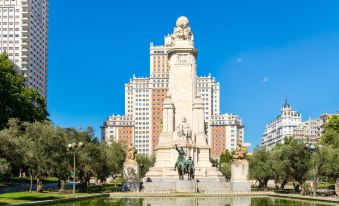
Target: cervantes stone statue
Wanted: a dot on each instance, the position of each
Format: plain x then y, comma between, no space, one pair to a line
131,170
131,153
239,171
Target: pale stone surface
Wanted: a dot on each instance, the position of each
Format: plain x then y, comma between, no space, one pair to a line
185,186
239,176
131,171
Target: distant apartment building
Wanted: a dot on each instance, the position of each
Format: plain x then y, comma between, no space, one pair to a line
290,124
281,127
144,98
226,132
307,131
24,37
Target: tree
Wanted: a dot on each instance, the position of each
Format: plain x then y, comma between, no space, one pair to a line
116,157
17,100
299,162
225,162
145,163
331,135
4,166
11,147
57,164
260,166
39,150
280,166
331,139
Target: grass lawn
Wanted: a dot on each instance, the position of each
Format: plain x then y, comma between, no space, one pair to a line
19,197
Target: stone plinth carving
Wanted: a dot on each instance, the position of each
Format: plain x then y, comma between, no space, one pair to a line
131,170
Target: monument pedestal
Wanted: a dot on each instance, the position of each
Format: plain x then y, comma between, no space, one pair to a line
131,176
239,178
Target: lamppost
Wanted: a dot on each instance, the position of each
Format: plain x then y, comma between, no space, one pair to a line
74,148
314,148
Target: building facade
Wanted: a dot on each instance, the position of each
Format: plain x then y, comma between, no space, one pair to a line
226,132
308,131
281,127
24,37
144,108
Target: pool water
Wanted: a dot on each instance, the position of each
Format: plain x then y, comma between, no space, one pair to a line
194,201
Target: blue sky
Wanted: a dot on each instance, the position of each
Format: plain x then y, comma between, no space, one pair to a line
261,52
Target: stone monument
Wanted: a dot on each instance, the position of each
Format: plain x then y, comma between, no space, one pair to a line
183,114
239,171
131,170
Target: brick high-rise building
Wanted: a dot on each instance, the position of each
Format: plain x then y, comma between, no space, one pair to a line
24,37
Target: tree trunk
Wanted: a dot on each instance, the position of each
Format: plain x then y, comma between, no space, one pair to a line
337,187
283,184
31,185
59,182
39,185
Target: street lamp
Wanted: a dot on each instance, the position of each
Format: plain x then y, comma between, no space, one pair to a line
314,148
74,148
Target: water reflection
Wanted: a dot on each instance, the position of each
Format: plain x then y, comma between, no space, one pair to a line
193,201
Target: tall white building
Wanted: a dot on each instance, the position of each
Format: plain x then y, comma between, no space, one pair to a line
24,36
282,126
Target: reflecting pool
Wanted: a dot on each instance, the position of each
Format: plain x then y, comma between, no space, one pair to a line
194,201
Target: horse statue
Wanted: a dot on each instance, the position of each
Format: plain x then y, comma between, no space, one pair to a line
190,168
181,169
181,163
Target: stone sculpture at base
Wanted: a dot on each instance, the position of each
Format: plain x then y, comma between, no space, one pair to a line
239,171
131,170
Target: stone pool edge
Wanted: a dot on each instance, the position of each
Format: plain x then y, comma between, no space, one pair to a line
68,199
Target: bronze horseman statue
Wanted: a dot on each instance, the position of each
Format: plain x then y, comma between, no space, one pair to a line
184,166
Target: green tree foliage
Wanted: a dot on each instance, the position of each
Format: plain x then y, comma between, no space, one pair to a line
4,166
225,162
11,147
331,135
17,100
116,157
331,140
145,163
280,166
260,167
44,148
299,161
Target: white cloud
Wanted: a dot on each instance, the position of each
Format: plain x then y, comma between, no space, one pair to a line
247,144
265,79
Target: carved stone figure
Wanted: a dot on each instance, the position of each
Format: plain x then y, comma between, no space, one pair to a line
184,130
240,152
131,152
182,31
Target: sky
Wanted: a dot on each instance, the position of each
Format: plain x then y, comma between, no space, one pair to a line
261,52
